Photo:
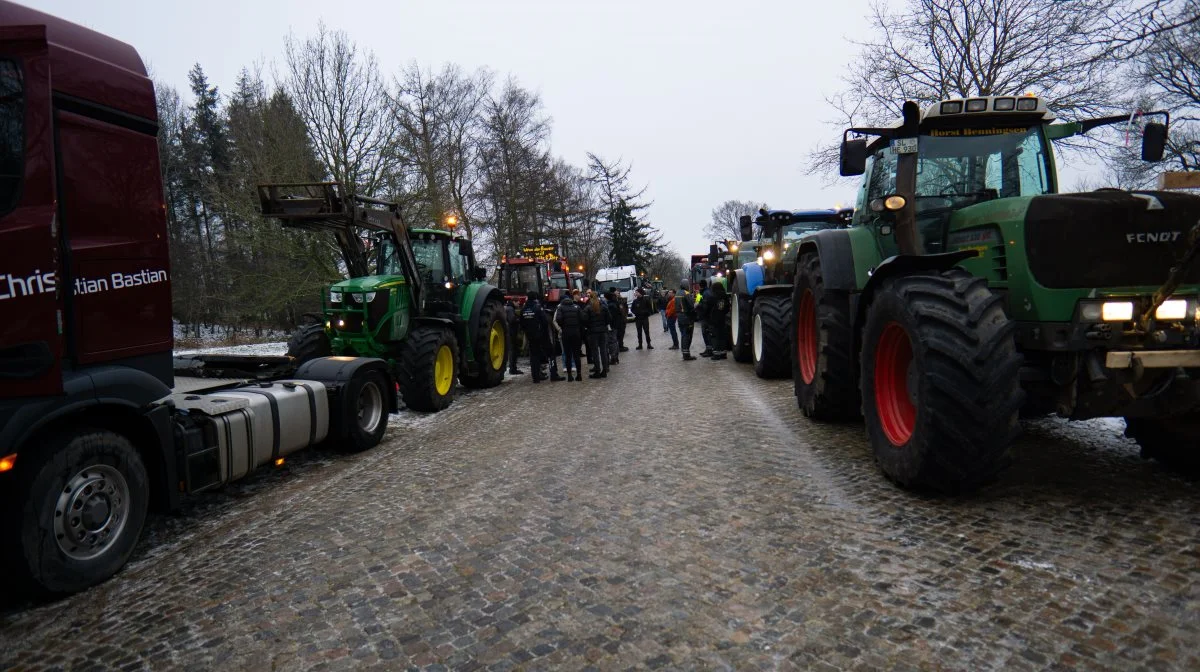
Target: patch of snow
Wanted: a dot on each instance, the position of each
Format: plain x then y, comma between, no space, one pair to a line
216,333
1033,564
279,348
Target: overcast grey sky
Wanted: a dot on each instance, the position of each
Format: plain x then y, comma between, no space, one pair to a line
707,100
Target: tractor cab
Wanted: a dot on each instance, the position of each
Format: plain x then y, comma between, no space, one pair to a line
779,229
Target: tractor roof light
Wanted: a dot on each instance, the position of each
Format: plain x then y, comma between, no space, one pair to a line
1004,104
951,107
977,105
1117,311
1027,104
1172,309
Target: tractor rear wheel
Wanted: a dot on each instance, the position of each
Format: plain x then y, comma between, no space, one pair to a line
1170,440
823,374
940,384
739,328
770,336
309,342
490,346
426,368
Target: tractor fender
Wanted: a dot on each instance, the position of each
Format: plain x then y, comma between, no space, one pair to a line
768,290
836,255
754,277
335,372
434,321
483,294
905,264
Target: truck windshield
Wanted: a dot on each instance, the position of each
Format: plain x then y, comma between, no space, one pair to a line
964,166
520,279
622,285
558,281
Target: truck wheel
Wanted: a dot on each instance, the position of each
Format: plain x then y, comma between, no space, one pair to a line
823,374
363,416
427,367
309,342
739,327
940,384
769,331
83,511
1170,440
490,346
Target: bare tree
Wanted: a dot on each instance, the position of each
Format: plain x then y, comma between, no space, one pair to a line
936,49
612,184
344,103
725,224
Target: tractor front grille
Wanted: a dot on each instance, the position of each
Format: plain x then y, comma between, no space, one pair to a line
1109,238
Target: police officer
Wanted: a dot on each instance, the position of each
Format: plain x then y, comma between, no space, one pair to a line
514,327
533,323
568,320
685,315
717,313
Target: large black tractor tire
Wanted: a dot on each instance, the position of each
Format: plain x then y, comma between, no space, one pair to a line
823,372
309,341
491,347
739,328
362,417
940,381
1172,441
771,343
80,507
426,384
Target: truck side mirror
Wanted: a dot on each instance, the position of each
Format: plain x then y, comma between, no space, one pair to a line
1154,141
746,227
852,159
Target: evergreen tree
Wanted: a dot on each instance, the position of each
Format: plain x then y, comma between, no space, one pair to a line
633,241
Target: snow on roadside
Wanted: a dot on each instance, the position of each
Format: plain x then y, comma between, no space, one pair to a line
279,348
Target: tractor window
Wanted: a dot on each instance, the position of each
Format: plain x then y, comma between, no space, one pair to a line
429,260
965,169
558,281
12,133
883,175
520,279
458,266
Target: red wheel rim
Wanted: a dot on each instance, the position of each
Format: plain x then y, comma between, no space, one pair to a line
806,337
893,356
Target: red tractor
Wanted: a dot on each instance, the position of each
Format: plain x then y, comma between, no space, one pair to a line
539,269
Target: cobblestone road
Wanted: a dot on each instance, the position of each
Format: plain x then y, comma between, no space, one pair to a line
671,516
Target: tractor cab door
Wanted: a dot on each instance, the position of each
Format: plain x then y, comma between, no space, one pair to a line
881,181
31,302
459,269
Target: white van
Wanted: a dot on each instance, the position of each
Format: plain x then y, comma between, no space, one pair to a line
623,278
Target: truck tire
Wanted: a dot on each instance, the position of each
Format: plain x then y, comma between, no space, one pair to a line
1171,441
308,342
940,383
491,347
770,336
362,417
426,368
82,510
739,327
823,374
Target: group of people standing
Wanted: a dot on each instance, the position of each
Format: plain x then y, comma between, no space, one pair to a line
581,320
705,305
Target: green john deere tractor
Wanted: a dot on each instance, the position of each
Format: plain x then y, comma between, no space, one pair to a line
414,297
968,292
761,285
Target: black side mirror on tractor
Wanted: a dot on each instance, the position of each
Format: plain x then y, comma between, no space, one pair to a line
746,227
852,159
481,273
714,253
1154,141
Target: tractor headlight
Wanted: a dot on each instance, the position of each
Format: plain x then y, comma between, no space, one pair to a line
1116,311
769,254
335,296
1174,309
370,296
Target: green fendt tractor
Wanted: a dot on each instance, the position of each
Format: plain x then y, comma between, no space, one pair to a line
761,285
968,291
414,297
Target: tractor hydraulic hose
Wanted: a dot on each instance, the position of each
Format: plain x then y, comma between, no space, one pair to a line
1173,280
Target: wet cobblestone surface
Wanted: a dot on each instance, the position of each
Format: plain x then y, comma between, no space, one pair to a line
675,516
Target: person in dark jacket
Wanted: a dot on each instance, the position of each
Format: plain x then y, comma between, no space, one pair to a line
514,327
534,324
702,310
643,308
717,313
553,342
597,318
685,317
616,322
568,320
